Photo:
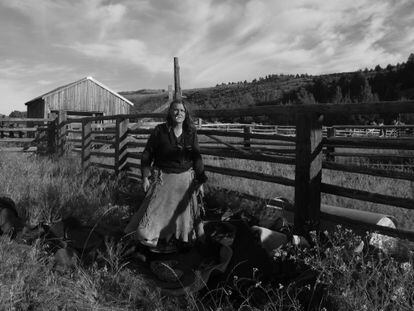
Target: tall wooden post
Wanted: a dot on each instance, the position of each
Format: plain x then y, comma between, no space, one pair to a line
170,93
52,127
121,143
177,83
247,130
61,132
86,144
308,172
330,149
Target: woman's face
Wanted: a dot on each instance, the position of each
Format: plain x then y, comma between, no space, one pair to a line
178,112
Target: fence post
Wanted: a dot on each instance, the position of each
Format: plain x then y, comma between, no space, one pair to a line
61,132
2,124
330,149
51,136
86,144
246,139
121,143
308,172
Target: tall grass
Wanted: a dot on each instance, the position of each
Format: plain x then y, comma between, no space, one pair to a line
47,189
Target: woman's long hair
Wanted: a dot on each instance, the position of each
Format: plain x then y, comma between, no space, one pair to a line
188,124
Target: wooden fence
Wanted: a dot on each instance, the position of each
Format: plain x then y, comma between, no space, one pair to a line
114,142
27,134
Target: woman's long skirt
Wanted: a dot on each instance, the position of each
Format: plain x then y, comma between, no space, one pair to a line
170,209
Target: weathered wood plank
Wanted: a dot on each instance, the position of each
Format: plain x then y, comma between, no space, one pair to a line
102,141
250,175
380,143
254,144
86,145
360,225
243,135
255,157
368,196
247,131
120,141
61,132
355,126
308,172
102,165
378,156
23,120
16,140
18,149
134,165
367,170
19,129
104,154
228,145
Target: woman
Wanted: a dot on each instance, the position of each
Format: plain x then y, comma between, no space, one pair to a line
172,173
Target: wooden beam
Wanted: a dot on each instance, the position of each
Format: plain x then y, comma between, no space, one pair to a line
374,156
243,135
247,130
250,175
120,141
18,129
16,140
86,145
228,145
367,170
61,132
24,120
330,149
308,172
375,143
225,153
110,154
368,196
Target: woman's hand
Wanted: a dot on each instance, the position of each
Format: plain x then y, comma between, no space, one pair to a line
198,188
145,184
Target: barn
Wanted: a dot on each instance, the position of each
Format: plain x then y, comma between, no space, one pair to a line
86,97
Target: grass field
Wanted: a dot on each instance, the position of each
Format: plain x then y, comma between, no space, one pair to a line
47,189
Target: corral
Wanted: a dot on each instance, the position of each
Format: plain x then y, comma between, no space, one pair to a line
114,143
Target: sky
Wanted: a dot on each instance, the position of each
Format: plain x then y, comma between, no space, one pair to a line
130,44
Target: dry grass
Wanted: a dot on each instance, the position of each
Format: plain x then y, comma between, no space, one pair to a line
47,189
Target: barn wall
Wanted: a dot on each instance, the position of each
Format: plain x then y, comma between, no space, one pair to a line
36,109
86,96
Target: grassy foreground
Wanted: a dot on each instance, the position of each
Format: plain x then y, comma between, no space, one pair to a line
346,277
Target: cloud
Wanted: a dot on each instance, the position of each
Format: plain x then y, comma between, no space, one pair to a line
131,43
128,51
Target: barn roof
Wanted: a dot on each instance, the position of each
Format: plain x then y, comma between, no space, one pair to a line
79,81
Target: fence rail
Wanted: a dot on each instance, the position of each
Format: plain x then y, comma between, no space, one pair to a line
27,133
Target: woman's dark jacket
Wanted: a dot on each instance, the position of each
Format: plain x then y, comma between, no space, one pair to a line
171,154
